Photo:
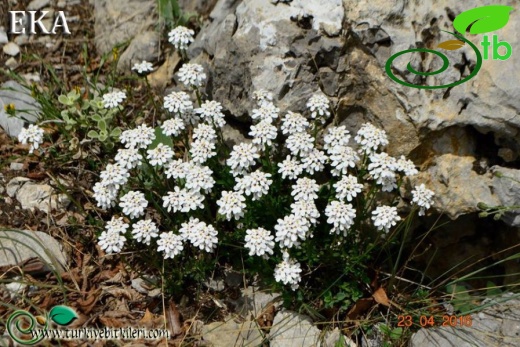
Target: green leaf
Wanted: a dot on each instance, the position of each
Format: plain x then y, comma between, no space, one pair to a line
62,315
93,134
116,132
103,135
96,118
102,125
482,19
64,100
160,138
396,333
492,290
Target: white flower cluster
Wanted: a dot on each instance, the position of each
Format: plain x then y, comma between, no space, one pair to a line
32,135
181,37
143,67
114,98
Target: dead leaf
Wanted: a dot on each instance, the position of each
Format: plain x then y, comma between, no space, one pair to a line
173,319
266,317
86,305
380,297
451,45
360,308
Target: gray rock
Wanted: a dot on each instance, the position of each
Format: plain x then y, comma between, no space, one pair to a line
496,325
230,333
16,166
3,36
35,5
291,329
15,288
11,49
254,301
506,185
145,46
22,39
27,107
117,22
17,246
32,195
11,63
334,338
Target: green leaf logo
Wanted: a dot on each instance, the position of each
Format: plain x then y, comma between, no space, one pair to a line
62,315
482,19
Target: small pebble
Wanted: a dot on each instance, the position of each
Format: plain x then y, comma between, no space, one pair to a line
16,166
37,4
11,63
21,40
11,49
3,36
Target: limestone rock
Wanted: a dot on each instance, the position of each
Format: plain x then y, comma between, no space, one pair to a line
117,22
37,4
11,49
16,246
12,92
145,46
291,329
230,333
32,195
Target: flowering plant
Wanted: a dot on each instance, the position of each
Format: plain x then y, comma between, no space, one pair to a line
295,197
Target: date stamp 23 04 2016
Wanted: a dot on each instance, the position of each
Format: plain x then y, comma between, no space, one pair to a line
430,321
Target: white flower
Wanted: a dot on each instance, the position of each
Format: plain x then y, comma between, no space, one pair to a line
300,143
370,138
175,169
111,242
347,188
294,123
342,157
173,126
32,135
406,166
211,112
256,183
318,104
178,102
385,217
192,75
381,165
336,136
314,161
341,216
305,189
204,132
183,200
259,241
144,230
188,230
263,133
290,168
290,230
181,37
199,177
114,174
242,157
288,272
306,209
388,183
133,204
170,244
116,224
160,155
128,158
423,198
204,236
232,205
202,150
143,66
140,137
113,99
262,96
105,195
267,111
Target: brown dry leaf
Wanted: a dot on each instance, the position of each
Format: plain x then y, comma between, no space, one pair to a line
451,45
147,320
380,297
173,318
117,319
266,317
360,308
86,305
